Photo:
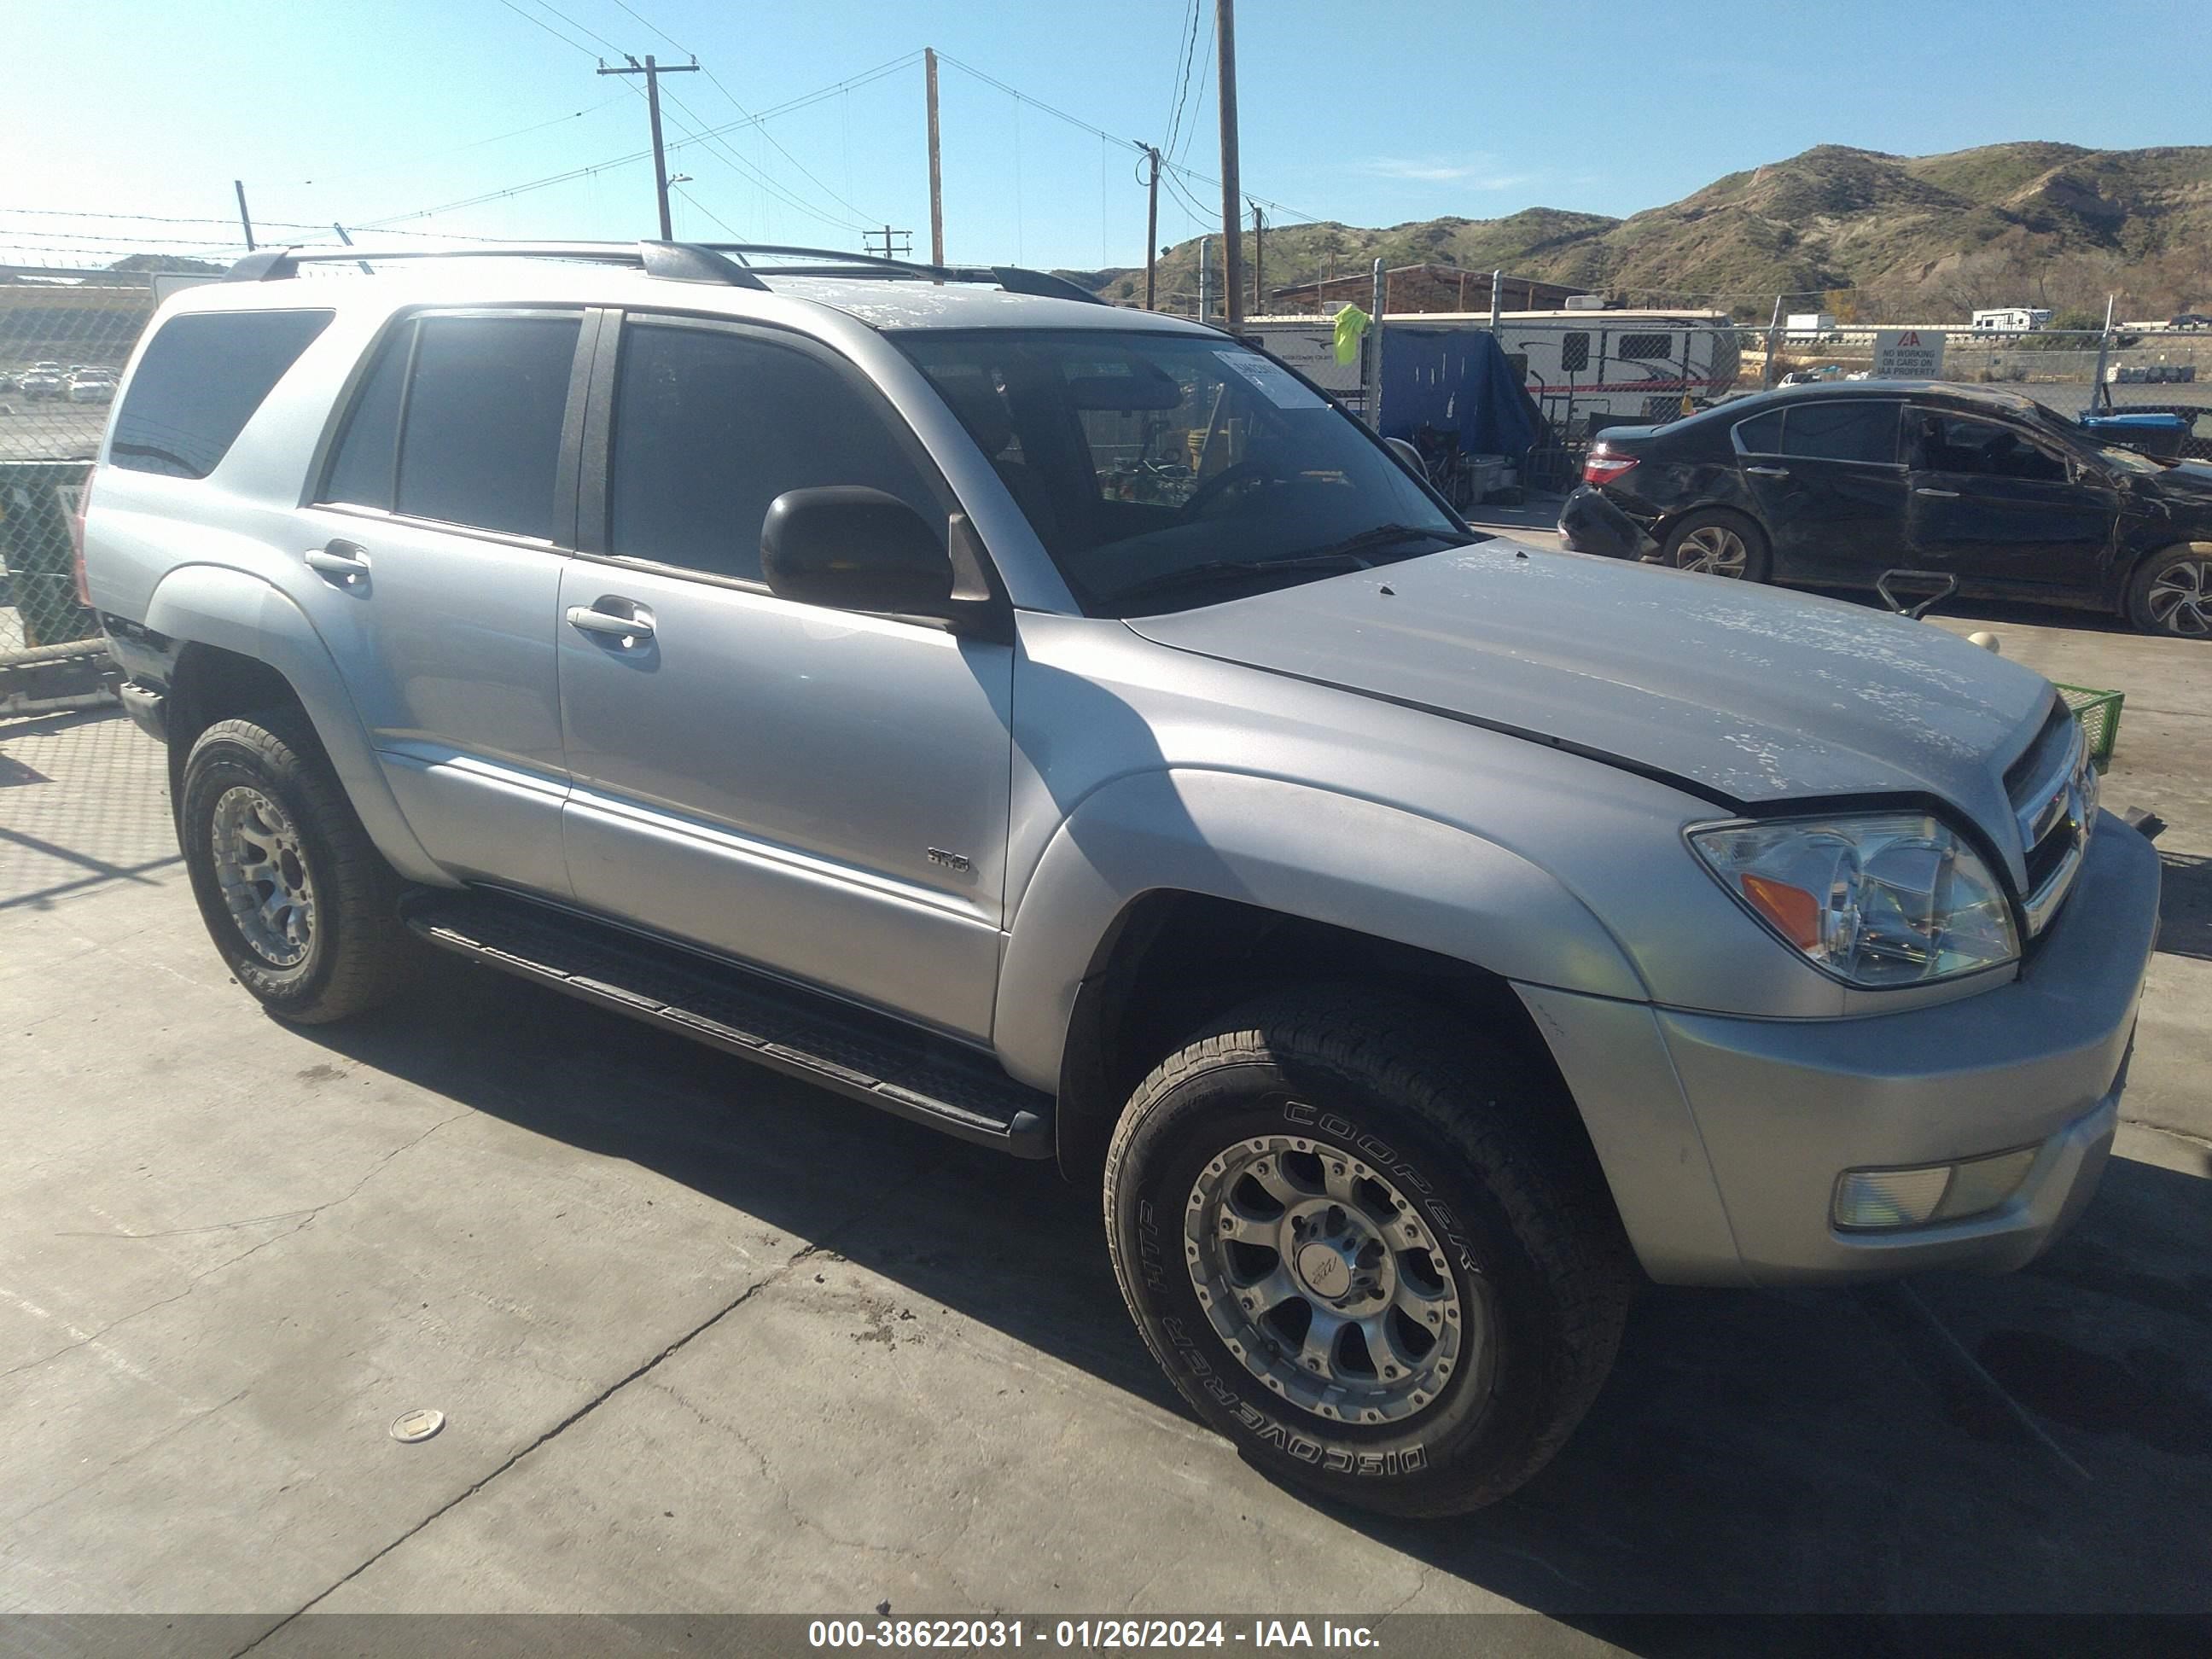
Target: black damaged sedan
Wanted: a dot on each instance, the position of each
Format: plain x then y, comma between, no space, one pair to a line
1832,485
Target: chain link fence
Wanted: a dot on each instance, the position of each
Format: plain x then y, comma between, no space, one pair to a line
64,337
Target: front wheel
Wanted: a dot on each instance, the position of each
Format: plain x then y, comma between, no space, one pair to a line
2171,592
1372,1253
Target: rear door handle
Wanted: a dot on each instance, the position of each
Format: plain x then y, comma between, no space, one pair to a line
1769,471
340,564
633,629
1946,495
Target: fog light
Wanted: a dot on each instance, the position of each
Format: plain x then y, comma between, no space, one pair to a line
1934,1192
1889,1198
1985,1183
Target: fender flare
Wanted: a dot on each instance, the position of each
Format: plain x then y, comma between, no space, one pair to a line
1289,847
216,605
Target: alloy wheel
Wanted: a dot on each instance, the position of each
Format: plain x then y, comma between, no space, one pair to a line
1714,549
2180,599
1318,1275
263,870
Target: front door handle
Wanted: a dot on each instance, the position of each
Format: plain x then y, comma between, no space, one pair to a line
630,630
1769,471
1945,495
340,564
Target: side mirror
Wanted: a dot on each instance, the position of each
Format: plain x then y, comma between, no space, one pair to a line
850,547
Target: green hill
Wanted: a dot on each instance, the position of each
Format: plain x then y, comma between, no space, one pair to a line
1863,233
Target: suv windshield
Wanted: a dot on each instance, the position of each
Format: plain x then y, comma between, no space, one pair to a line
1163,470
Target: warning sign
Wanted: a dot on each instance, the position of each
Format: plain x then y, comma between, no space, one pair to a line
1908,354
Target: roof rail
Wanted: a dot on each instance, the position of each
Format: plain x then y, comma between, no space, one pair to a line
1015,279
682,262
722,263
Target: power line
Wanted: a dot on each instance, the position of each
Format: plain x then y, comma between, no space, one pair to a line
716,80
539,23
1182,77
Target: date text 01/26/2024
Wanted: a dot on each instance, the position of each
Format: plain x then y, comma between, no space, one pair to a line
1086,1634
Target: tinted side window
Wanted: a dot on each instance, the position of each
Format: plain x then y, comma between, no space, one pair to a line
362,469
199,383
1761,434
1842,431
1954,443
1636,347
711,427
482,435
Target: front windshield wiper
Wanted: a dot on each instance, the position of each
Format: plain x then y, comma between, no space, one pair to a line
1353,553
1386,535
1216,570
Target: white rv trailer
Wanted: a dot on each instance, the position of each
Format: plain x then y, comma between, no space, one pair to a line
1610,366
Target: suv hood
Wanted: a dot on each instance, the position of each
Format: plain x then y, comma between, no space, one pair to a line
1745,694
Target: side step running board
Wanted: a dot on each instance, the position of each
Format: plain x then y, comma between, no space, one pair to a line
865,1056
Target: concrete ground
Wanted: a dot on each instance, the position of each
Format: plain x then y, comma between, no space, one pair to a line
707,1340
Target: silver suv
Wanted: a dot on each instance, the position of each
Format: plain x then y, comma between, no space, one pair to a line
1064,726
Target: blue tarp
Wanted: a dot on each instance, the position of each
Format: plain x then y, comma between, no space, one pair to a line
1456,381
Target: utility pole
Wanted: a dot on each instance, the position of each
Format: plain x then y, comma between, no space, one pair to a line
243,217
1232,194
905,238
1151,229
936,173
652,72
1204,274
1259,260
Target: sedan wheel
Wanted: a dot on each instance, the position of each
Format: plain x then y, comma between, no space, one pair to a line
2179,598
1715,549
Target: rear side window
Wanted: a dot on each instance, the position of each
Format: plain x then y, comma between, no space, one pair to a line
711,427
366,467
1645,347
201,378
1761,434
480,434
1842,431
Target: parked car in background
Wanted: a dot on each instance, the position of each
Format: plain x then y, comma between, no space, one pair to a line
44,380
92,385
1832,485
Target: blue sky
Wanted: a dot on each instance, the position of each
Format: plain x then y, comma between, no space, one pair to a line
1368,113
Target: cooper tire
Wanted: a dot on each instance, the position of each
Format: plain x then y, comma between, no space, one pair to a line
1457,1139
1719,543
2171,593
301,905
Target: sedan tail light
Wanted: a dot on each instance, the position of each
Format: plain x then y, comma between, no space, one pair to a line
76,537
1603,465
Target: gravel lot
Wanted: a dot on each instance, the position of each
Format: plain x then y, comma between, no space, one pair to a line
707,1340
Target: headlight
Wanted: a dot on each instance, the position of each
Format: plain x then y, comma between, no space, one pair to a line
1887,899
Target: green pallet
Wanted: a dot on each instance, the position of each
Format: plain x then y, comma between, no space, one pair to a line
2099,714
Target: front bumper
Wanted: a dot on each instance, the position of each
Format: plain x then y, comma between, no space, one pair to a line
1773,1111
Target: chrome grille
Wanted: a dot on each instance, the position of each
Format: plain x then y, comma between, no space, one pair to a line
2054,795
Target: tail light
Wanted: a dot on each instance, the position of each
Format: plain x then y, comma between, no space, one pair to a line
1603,465
76,537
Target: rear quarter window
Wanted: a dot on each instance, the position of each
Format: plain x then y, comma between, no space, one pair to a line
1761,434
201,379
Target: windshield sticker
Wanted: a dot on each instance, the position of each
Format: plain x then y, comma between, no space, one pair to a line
1271,380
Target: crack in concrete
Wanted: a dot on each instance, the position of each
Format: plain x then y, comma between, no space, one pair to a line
305,1219
592,1405
138,1451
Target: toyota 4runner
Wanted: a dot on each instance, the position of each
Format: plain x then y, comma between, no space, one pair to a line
1065,726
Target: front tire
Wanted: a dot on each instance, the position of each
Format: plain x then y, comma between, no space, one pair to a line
1719,543
301,905
1372,1253
2171,593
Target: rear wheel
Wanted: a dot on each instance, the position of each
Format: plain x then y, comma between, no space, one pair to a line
1718,544
2172,594
302,907
1367,1250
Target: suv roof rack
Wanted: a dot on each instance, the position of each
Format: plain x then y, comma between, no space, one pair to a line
681,262
723,262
